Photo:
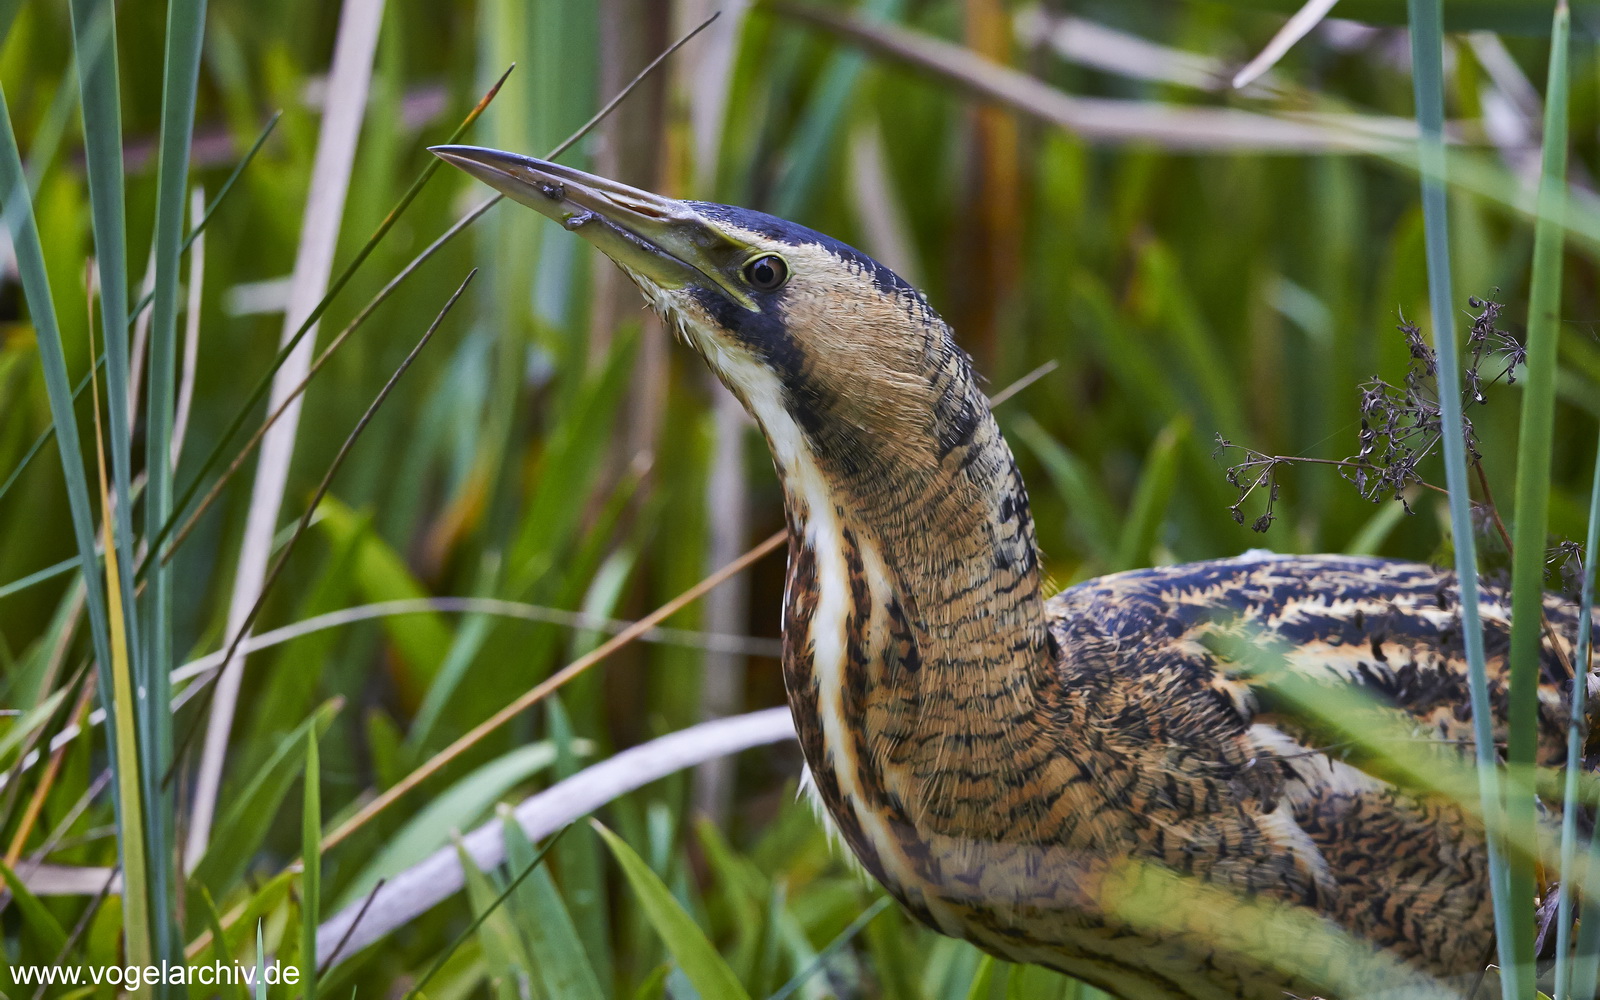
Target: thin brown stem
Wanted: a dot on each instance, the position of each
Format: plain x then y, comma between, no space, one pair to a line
1490,506
35,806
366,904
548,687
305,519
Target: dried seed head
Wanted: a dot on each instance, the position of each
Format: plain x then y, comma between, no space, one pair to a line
1400,425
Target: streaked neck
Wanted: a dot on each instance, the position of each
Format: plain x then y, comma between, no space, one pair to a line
915,640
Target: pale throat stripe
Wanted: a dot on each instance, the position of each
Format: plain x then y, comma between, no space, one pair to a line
829,624
829,636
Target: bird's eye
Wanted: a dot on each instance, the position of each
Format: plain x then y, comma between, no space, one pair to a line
766,273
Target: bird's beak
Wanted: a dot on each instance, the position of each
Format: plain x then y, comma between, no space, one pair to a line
660,239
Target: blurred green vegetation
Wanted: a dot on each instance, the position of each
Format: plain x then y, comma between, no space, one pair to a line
551,447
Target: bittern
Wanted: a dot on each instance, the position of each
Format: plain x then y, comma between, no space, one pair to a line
1079,782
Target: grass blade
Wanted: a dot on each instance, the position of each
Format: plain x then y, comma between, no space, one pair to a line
1427,60
478,919
695,954
311,859
95,49
219,940
142,823
36,917
505,960
1148,506
855,927
19,217
578,863
549,934
1534,444
981,983
185,29
40,576
191,338
1585,966
261,963
133,821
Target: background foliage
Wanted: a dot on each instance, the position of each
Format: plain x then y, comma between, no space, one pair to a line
550,447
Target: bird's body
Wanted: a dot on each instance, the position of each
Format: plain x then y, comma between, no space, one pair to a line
1106,782
1147,749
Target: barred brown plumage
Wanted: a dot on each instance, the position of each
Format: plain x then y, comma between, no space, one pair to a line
1059,781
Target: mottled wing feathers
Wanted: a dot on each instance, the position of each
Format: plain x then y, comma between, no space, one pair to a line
1163,663
1391,629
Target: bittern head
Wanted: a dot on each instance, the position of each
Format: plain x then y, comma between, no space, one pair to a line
833,353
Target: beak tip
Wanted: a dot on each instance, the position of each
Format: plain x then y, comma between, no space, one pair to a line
641,229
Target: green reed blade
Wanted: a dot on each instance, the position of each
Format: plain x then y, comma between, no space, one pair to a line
261,963
95,52
95,47
1533,480
185,31
1427,60
1585,965
843,938
39,576
19,218
470,929
705,968
548,932
136,827
311,876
